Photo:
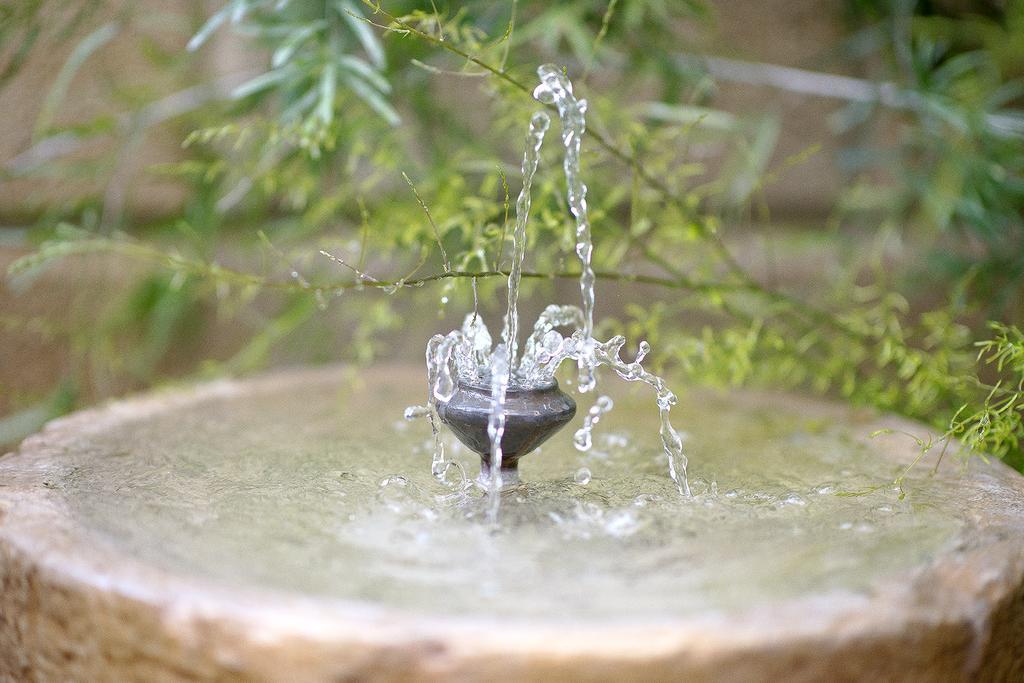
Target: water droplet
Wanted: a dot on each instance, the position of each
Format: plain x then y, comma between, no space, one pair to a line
642,350
644,499
414,412
394,480
583,476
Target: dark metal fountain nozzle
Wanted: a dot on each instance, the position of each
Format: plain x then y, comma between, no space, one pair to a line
532,415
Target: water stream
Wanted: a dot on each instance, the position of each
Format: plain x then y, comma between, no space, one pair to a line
466,355
555,88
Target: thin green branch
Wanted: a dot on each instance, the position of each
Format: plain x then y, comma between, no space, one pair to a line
504,221
437,232
238,278
606,22
627,158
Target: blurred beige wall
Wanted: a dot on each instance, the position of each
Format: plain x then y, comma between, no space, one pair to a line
111,77
792,33
797,33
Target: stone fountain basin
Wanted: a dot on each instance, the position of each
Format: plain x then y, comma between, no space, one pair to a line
206,533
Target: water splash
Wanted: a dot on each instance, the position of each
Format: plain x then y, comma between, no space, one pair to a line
466,355
534,139
555,88
500,371
583,438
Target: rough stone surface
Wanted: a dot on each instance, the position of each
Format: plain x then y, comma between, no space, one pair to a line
72,608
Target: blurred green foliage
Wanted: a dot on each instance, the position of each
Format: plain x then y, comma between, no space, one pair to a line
306,154
955,170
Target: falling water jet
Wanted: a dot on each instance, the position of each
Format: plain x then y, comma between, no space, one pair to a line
503,404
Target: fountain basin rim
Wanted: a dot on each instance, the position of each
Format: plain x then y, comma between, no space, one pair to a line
75,576
514,388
